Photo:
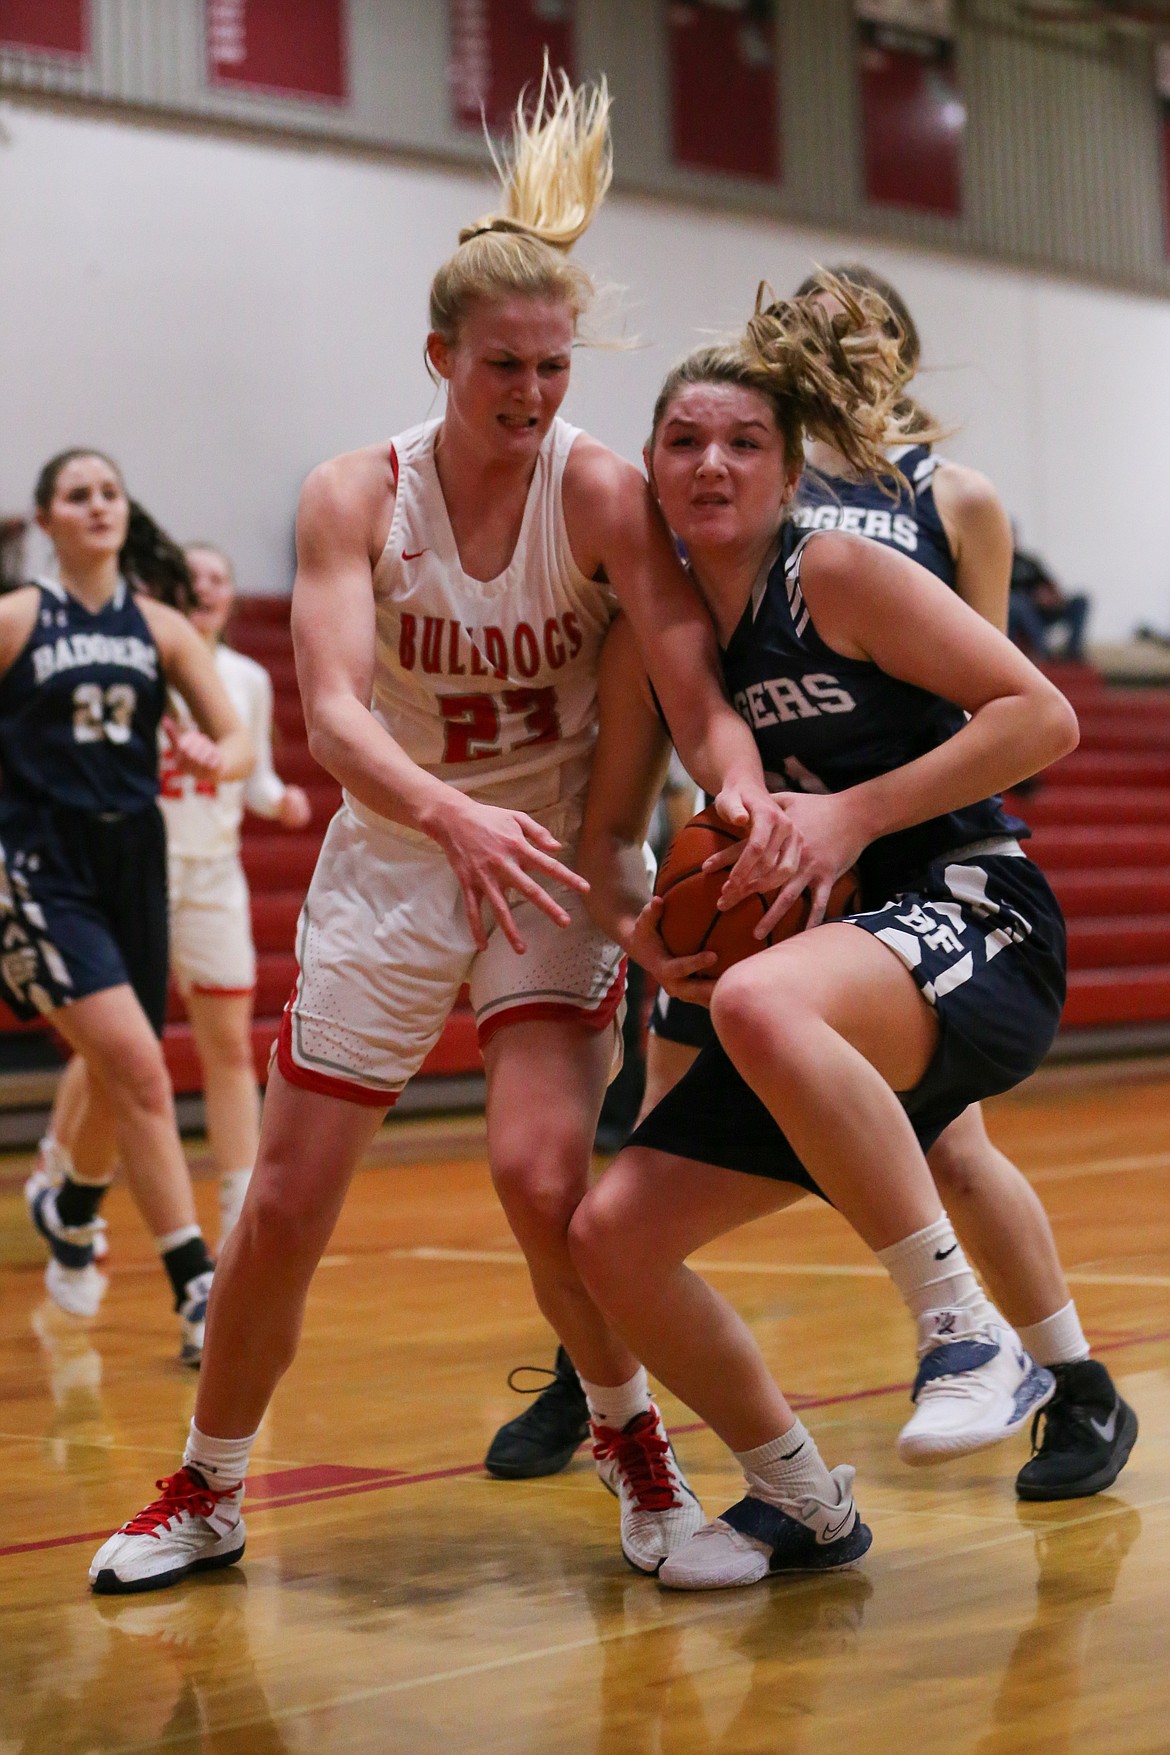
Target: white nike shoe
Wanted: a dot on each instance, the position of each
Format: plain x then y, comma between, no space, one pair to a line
190,1527
755,1539
193,1319
232,1189
975,1385
71,1279
659,1511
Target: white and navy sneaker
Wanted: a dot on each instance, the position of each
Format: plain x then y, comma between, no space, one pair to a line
756,1540
975,1385
190,1527
71,1279
193,1319
659,1510
232,1189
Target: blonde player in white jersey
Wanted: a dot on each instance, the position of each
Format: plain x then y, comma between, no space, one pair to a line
213,959
453,593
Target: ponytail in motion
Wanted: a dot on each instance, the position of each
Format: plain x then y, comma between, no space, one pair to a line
553,180
831,372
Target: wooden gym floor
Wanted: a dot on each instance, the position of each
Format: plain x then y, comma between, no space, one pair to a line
395,1598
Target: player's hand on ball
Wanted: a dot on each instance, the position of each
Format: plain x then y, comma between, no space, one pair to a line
492,851
830,843
681,977
192,751
295,809
770,851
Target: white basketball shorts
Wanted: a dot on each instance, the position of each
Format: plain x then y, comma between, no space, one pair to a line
384,946
211,925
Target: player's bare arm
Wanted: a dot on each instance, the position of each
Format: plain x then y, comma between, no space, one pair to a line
342,522
18,614
629,766
980,536
615,526
217,746
869,603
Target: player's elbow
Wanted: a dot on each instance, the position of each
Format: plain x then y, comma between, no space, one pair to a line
1056,729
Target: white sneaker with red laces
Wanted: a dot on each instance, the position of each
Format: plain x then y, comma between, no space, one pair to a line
190,1527
659,1510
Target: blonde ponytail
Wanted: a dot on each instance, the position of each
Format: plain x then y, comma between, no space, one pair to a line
553,180
834,373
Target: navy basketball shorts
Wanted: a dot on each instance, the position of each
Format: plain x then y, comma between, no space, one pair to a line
83,907
984,938
675,1020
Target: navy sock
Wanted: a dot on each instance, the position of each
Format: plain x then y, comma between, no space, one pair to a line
184,1264
78,1202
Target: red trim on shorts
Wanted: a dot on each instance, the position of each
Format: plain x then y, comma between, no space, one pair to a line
550,1010
324,1084
227,992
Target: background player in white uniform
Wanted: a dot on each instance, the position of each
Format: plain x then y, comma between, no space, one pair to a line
453,592
213,959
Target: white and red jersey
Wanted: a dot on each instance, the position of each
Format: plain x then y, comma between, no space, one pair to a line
202,818
491,685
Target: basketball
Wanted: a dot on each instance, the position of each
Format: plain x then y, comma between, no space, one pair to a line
691,920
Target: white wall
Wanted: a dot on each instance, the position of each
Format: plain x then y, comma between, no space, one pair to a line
221,315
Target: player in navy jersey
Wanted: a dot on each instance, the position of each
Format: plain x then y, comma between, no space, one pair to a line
949,518
85,663
841,1054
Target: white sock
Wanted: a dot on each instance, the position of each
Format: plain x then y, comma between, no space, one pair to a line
788,1469
932,1273
175,1239
1058,1340
616,1406
223,1462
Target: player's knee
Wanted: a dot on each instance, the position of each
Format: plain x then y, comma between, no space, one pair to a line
605,1241
745,1014
135,1077
955,1169
539,1191
281,1219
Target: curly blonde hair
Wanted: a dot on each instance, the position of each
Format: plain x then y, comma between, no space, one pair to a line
835,374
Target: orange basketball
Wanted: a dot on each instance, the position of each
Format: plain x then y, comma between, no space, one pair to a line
691,922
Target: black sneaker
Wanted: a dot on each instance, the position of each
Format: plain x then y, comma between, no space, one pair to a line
543,1439
1088,1435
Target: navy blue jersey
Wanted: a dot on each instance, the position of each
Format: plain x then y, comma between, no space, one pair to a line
909,522
80,708
824,723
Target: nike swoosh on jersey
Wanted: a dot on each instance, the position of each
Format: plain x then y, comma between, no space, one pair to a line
413,554
1107,1431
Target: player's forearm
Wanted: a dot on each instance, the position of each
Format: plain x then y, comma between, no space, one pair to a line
715,745
1006,741
619,884
238,755
348,742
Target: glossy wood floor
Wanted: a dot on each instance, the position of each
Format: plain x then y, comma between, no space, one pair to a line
394,1598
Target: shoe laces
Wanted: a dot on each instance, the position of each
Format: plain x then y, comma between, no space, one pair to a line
183,1493
643,1455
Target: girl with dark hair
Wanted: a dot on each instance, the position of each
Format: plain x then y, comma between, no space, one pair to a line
85,663
842,1054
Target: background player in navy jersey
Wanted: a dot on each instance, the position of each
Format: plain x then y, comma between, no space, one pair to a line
950,519
844,1051
85,663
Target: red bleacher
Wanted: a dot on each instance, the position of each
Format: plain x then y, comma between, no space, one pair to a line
1101,832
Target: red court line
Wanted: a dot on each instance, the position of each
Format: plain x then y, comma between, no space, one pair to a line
394,1479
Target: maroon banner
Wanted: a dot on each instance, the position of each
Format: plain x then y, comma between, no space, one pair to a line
724,98
498,47
913,119
56,27
294,47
